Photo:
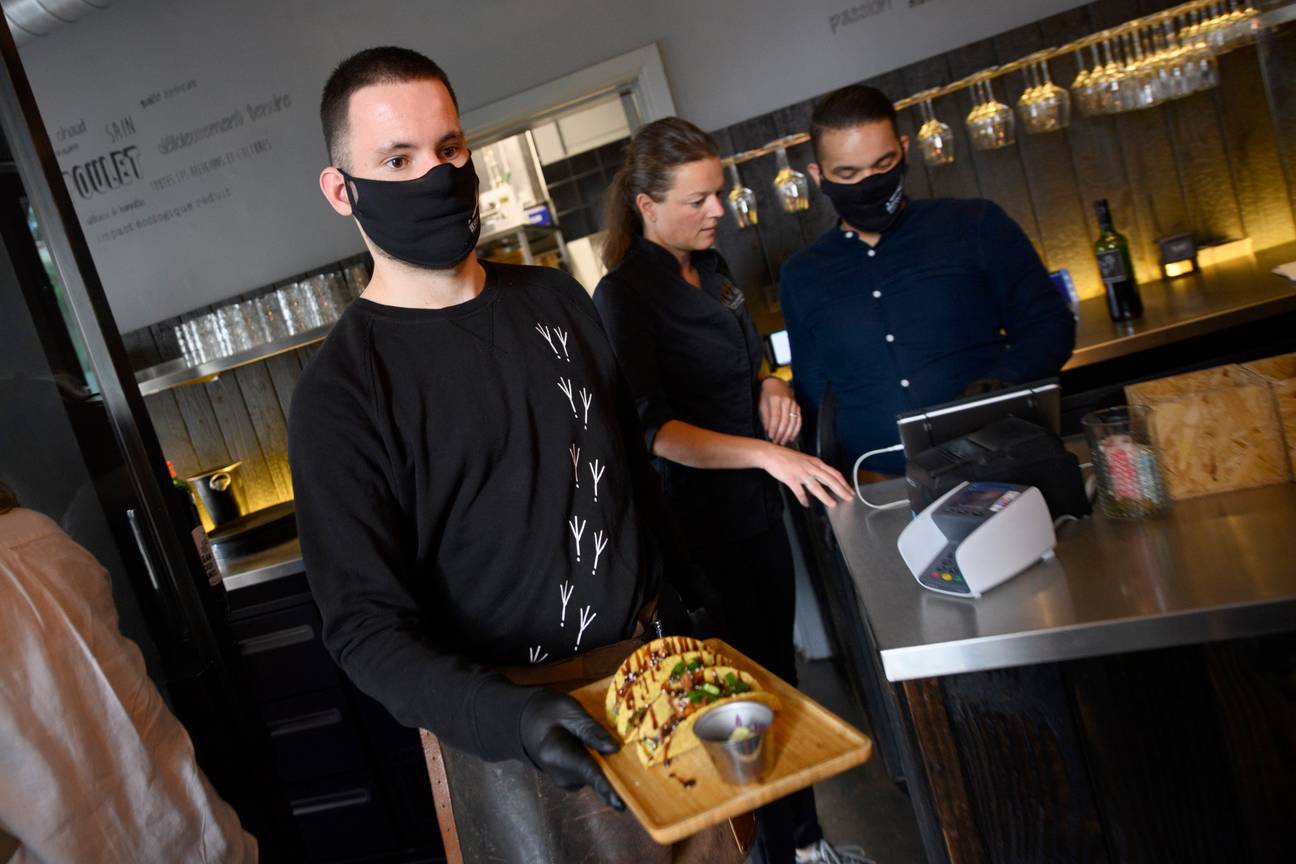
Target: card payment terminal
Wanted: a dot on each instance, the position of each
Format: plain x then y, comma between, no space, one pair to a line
977,536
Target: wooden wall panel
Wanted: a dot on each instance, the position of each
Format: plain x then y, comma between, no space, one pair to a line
1024,765
284,371
1099,164
1252,147
1160,781
268,421
959,179
1256,706
1204,167
210,450
997,170
1277,50
260,484
1046,158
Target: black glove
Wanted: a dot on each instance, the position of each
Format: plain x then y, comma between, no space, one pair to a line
555,732
984,385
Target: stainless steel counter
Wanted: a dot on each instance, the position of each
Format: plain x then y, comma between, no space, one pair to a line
1224,295
1217,567
273,563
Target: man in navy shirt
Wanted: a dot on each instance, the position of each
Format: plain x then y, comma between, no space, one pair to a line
905,304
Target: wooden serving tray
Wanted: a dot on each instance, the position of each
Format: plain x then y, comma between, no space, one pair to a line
672,802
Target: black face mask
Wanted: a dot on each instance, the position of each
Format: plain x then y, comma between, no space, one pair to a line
873,204
431,221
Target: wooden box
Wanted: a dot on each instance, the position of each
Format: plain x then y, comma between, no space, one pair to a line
1280,374
1215,431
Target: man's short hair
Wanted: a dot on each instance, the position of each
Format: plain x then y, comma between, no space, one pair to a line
853,105
383,65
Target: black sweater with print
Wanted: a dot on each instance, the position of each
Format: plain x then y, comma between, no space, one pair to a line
471,491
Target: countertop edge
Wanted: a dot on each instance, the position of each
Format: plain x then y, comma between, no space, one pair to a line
1082,641
1177,331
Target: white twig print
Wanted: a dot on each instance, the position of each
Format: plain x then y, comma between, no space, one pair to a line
535,655
586,619
548,337
565,589
586,398
565,385
596,470
575,456
562,339
600,543
577,526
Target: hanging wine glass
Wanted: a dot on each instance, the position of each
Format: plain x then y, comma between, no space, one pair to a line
1028,105
1130,93
1200,56
1086,87
1243,28
1109,82
1054,101
1146,82
791,186
991,124
742,201
1080,84
935,139
1182,75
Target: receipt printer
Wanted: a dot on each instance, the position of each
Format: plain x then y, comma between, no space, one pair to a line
977,536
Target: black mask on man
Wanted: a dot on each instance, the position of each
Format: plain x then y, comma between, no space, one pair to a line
871,205
431,221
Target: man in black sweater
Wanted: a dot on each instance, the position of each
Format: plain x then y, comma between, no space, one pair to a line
472,494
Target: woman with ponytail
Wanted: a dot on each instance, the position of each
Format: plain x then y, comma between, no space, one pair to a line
717,426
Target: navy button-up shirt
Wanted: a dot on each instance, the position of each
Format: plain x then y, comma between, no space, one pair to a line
954,292
692,355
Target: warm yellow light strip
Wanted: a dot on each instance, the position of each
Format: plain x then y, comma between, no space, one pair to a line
1208,256
994,72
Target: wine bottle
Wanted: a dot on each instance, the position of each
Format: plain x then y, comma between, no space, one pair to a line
1115,267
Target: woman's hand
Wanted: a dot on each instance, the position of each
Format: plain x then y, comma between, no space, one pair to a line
779,412
803,473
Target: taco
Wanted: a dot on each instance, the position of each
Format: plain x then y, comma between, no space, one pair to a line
645,658
631,703
666,727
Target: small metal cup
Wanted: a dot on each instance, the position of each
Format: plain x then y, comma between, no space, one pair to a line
738,762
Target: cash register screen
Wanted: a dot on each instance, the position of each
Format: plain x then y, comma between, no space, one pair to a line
1039,402
983,496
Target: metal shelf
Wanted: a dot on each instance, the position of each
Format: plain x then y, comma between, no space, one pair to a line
177,373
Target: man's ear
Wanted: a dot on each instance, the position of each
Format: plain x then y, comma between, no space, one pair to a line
813,170
333,185
904,145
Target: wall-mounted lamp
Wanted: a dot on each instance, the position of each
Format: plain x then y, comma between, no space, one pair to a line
1178,255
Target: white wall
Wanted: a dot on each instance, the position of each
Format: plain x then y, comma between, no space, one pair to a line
258,216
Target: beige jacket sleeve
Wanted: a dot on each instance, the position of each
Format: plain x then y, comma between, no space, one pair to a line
93,766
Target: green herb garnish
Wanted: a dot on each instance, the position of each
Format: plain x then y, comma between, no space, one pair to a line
678,670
